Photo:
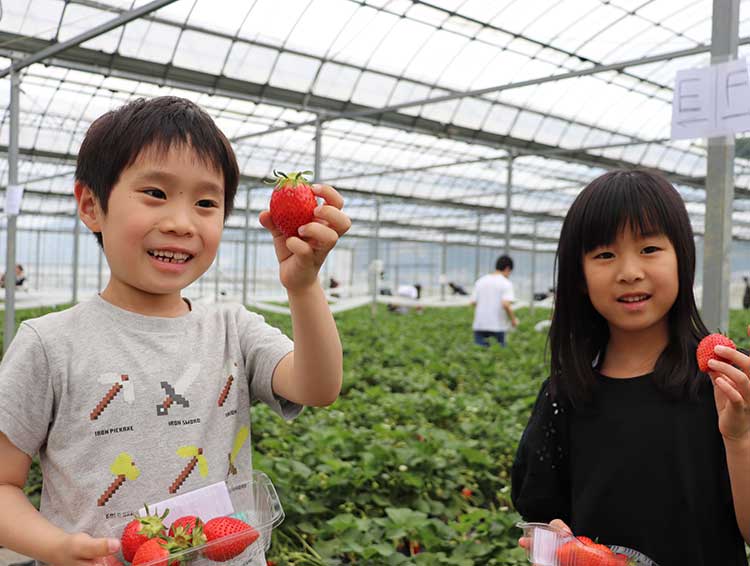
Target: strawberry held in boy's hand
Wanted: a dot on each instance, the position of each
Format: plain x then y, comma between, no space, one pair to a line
706,347
238,536
139,530
292,202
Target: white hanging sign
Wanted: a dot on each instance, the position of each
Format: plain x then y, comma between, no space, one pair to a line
13,197
711,101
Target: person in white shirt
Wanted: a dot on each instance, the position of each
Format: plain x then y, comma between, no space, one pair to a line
493,299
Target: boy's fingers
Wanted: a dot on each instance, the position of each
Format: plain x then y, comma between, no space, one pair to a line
334,217
325,237
267,222
329,194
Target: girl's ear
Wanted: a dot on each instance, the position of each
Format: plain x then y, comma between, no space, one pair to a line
89,210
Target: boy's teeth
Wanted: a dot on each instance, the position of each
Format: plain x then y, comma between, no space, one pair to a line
169,256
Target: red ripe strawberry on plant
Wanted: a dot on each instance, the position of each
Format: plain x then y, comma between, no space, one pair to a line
292,202
140,530
706,347
227,537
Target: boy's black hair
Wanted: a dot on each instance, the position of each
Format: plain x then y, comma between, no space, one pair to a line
502,262
647,202
114,141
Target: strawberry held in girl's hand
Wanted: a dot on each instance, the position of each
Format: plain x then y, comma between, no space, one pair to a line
292,202
706,347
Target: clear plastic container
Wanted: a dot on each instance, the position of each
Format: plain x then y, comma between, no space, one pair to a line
550,546
255,502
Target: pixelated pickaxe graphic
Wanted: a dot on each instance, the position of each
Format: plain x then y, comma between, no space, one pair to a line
124,469
239,440
196,458
176,393
118,382
230,369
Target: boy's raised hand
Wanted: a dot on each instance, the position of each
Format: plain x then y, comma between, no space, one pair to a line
731,379
300,257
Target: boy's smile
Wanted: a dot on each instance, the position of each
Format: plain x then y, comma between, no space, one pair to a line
162,229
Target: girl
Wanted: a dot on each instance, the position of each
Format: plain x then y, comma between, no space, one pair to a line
628,442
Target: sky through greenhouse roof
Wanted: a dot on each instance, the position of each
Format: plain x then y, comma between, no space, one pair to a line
440,170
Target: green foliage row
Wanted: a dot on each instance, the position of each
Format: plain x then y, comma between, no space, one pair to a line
411,465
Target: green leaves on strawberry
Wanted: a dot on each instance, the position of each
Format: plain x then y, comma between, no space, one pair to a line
187,532
292,202
227,537
706,347
140,530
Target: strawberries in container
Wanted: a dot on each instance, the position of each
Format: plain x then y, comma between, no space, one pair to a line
550,546
240,537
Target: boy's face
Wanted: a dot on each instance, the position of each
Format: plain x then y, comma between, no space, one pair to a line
163,224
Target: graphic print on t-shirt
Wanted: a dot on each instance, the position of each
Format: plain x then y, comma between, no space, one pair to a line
123,468
239,440
196,458
231,370
116,382
176,393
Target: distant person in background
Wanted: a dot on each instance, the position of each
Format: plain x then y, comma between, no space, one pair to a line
457,289
413,292
20,276
746,296
493,299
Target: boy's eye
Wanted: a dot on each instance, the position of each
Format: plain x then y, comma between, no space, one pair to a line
156,193
207,203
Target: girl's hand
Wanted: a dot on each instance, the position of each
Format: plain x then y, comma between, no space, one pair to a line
731,379
525,542
80,549
300,258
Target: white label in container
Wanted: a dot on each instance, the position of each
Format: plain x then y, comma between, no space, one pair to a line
544,547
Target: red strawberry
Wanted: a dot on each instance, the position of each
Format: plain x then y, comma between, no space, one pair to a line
585,552
466,493
187,523
139,530
292,202
151,550
706,352
227,537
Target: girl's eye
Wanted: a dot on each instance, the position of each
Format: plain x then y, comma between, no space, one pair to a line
651,249
604,255
156,193
206,203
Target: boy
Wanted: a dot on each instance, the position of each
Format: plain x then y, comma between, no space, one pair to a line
108,391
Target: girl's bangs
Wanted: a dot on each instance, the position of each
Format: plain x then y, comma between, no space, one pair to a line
609,212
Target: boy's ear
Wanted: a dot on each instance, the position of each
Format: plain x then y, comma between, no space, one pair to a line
89,210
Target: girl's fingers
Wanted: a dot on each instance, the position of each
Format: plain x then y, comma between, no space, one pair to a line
732,395
559,524
334,217
734,357
328,194
524,542
736,377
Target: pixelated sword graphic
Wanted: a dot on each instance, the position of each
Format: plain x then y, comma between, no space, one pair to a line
176,393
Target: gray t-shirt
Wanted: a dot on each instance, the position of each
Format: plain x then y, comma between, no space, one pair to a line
108,397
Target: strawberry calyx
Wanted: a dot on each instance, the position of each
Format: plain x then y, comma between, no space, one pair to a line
151,525
292,180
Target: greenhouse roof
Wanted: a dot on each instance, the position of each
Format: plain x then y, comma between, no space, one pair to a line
567,88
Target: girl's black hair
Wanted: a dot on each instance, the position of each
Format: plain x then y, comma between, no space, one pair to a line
114,141
648,203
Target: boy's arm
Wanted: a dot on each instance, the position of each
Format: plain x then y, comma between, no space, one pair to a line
23,529
312,374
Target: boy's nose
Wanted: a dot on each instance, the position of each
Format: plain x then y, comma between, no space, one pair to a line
178,222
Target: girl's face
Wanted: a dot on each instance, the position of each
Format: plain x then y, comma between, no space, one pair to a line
633,282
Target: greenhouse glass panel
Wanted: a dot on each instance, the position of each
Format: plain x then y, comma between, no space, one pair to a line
149,40
202,52
294,72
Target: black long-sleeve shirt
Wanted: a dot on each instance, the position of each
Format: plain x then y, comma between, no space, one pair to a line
635,469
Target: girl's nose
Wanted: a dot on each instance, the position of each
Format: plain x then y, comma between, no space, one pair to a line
630,271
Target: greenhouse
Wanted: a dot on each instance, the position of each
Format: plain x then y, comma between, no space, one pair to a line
456,131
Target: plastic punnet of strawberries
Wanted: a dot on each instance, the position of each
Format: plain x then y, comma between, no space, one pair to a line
582,551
